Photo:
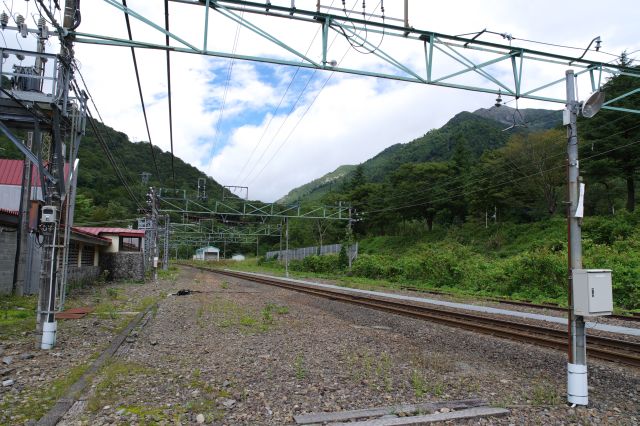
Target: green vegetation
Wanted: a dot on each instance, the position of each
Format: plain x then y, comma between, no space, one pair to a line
17,315
298,365
34,405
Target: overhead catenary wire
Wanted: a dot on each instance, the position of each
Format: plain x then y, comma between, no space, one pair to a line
284,142
277,108
512,180
474,181
144,110
226,88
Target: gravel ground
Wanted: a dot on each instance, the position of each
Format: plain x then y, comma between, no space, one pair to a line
244,353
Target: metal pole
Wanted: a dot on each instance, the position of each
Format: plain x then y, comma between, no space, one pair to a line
286,261
577,389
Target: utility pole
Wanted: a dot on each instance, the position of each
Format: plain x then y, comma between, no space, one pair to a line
152,229
577,388
286,259
165,244
19,269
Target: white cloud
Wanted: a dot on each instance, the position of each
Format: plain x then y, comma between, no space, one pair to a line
352,119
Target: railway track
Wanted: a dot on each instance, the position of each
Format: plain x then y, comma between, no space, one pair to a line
609,349
632,317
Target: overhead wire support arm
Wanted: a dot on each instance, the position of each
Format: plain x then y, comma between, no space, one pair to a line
473,55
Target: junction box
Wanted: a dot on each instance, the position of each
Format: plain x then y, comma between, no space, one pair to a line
592,293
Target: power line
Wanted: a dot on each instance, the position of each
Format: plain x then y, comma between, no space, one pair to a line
226,88
421,203
275,111
284,142
166,26
144,110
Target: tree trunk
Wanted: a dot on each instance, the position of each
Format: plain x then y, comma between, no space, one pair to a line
430,223
631,192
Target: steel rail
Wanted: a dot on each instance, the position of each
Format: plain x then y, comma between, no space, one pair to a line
613,350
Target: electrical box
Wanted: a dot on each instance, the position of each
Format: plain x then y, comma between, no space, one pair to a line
592,292
49,214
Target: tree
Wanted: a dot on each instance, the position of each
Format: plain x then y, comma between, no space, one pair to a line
421,188
608,140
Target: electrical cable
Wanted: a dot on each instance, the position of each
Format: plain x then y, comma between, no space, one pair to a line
289,114
485,176
144,110
166,26
275,111
496,185
226,88
109,155
95,107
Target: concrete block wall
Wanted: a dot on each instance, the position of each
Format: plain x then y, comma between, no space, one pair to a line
123,265
7,259
82,275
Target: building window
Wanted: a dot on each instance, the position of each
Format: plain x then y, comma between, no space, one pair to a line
87,255
73,254
129,243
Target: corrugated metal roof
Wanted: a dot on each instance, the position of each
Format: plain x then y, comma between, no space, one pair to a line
11,172
81,231
123,232
9,212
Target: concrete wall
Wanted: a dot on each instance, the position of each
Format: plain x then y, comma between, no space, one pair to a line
123,265
7,259
115,243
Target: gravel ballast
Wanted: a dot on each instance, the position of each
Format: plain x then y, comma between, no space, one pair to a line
243,353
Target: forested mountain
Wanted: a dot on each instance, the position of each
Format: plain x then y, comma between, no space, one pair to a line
101,195
317,187
467,133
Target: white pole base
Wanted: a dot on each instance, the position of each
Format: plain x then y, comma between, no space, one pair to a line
49,335
577,388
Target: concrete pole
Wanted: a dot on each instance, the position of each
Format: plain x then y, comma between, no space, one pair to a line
577,388
286,259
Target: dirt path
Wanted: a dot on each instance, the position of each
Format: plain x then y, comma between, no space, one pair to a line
242,353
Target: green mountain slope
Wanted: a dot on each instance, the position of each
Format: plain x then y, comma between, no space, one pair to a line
317,187
100,193
478,132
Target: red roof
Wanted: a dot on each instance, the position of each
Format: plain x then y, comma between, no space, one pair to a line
81,231
11,172
123,232
9,212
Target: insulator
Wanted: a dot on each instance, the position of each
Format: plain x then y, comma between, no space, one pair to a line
5,55
4,20
22,26
41,22
20,56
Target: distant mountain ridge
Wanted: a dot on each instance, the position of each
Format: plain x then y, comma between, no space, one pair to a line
316,186
479,131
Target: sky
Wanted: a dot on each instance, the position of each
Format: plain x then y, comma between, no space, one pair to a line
273,127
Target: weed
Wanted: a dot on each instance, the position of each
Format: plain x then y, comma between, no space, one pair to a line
36,403
298,365
418,384
247,321
224,285
544,393
114,376
113,293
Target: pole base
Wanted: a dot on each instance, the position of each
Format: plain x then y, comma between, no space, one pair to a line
577,388
49,330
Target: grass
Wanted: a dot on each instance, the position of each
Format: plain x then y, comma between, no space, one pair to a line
372,369
17,315
228,314
113,377
298,366
36,403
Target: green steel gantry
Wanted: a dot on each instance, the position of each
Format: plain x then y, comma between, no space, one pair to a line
502,68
